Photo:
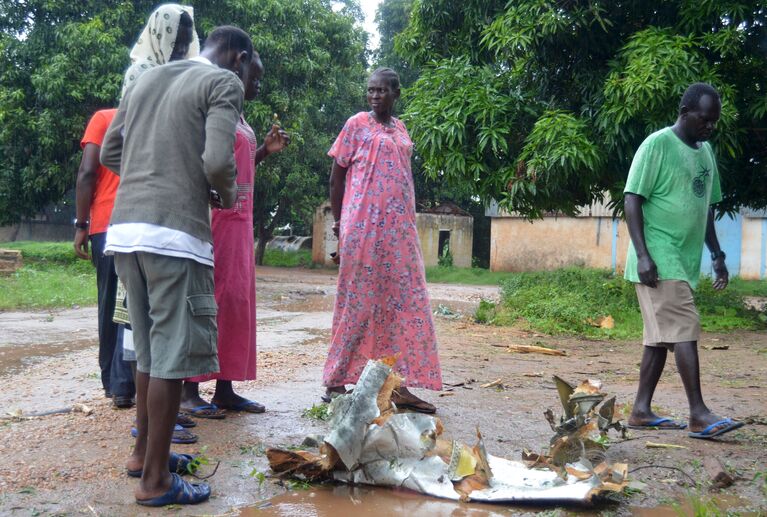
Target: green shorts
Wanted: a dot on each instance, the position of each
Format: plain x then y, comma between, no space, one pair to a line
172,310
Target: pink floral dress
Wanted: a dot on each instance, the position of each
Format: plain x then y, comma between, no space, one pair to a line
382,307
234,270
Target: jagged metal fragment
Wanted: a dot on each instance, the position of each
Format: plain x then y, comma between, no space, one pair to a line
354,412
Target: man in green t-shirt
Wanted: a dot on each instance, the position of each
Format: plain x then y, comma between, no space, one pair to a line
672,182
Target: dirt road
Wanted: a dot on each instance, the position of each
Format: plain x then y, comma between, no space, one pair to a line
73,463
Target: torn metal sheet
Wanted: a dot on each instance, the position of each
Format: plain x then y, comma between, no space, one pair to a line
377,446
351,414
514,481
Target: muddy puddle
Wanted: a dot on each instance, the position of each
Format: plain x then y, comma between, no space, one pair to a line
369,502
16,357
280,329
382,502
715,505
21,328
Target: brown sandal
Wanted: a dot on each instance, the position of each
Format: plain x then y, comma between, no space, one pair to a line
333,392
413,404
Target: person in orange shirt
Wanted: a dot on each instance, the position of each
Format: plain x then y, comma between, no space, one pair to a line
95,196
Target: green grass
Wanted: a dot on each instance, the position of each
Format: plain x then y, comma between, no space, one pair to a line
748,287
280,258
469,276
569,301
481,276
317,412
52,277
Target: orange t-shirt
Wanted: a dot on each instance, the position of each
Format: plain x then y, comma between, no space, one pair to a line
106,181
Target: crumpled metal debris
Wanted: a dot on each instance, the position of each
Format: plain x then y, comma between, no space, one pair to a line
581,435
370,443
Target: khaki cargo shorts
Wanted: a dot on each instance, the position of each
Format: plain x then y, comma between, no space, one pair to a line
172,310
669,313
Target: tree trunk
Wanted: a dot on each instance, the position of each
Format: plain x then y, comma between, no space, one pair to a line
265,233
264,236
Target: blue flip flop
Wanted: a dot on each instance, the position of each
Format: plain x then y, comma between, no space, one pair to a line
706,434
211,411
180,435
180,492
246,406
657,425
176,463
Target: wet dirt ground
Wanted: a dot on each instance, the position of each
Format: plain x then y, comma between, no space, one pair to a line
71,464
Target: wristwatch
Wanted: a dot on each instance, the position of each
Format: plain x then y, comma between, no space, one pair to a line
716,254
82,225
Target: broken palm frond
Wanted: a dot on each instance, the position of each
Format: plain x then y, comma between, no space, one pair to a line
580,438
498,383
371,443
18,415
653,445
532,349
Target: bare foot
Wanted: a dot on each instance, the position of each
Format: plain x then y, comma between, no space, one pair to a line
134,462
234,402
701,421
149,490
648,419
188,403
196,406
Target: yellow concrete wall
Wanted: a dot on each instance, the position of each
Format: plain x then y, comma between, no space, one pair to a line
751,248
323,241
461,237
554,242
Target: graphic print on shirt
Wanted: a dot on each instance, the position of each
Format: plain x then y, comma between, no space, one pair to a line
699,182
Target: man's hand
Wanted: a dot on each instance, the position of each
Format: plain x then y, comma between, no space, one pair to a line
81,243
722,275
215,199
276,140
647,271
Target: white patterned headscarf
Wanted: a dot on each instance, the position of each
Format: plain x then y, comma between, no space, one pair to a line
155,43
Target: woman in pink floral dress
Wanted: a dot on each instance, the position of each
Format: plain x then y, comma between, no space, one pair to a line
382,307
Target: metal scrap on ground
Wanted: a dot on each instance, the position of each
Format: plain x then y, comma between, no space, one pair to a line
371,443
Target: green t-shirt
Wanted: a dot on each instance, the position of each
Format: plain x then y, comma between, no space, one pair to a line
678,184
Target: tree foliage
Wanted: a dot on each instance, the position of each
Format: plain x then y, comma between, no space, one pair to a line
63,60
392,18
315,76
541,104
59,62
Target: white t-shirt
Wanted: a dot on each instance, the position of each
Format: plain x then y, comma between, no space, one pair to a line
152,238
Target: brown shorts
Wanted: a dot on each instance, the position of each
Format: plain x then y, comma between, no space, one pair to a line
173,314
669,313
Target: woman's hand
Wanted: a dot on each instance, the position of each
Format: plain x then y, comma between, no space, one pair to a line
277,139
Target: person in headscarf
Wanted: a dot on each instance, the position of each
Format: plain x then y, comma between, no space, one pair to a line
169,35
